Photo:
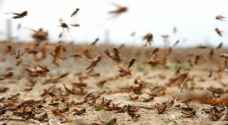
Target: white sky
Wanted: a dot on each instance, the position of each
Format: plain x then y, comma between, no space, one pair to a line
193,18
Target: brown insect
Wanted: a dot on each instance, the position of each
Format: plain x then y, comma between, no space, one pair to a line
131,63
79,111
219,32
121,46
202,47
138,86
40,35
124,72
8,49
215,113
155,51
56,78
175,30
156,61
57,54
220,45
37,70
148,38
66,27
74,91
3,89
20,15
75,25
80,84
112,122
14,97
196,60
76,55
220,18
216,92
188,112
176,43
226,64
224,55
178,70
114,55
161,108
95,42
44,50
30,85
87,53
210,73
91,98
94,62
6,75
75,12
132,110
82,76
133,97
107,52
119,10
102,82
211,53
178,79
19,26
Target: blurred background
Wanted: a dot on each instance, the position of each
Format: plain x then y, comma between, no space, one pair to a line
194,20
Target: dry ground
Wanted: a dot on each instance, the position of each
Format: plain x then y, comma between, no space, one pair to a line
178,87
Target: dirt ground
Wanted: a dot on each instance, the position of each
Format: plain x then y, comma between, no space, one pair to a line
68,84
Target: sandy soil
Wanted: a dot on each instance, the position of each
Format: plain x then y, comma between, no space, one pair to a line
53,84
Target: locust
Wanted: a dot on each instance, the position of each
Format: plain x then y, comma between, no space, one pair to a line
115,56
75,12
148,38
220,17
66,27
219,32
120,9
19,15
94,62
95,42
131,63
